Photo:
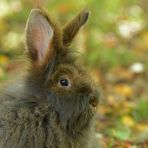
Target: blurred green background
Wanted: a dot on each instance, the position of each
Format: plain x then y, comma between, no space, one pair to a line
114,45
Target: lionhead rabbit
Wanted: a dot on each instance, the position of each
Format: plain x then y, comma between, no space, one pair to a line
54,104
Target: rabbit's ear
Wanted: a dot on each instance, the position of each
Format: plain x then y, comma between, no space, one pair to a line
71,28
39,36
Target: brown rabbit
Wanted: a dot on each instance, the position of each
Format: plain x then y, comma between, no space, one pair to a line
54,104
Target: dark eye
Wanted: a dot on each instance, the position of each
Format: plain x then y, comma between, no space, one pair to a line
64,82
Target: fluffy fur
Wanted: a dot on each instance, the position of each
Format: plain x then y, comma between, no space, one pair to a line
37,111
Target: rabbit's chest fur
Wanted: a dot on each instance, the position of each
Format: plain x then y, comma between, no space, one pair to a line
25,124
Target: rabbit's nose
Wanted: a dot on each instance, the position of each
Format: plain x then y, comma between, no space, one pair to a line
94,99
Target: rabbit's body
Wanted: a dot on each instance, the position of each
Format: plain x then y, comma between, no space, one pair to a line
30,123
54,104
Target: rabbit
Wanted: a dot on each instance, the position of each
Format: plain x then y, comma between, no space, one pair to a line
54,104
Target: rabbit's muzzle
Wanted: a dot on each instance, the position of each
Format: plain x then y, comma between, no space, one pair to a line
94,99
90,92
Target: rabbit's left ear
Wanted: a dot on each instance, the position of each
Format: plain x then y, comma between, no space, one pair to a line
39,36
71,28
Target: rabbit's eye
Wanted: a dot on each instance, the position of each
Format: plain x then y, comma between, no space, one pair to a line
64,82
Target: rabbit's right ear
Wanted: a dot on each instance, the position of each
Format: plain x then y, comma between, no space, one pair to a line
71,28
39,36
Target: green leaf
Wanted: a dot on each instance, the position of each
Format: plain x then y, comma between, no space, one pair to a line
122,134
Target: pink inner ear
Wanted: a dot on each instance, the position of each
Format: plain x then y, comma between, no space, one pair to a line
38,41
39,36
41,41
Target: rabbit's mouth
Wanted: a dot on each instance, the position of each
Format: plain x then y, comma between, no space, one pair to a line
93,108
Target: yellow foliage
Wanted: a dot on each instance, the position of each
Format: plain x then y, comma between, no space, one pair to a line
112,101
1,72
124,90
142,127
128,121
4,60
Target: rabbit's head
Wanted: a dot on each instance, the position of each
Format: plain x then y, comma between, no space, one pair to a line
54,71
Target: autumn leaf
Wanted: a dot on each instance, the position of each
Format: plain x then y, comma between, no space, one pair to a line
128,121
124,89
4,60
